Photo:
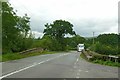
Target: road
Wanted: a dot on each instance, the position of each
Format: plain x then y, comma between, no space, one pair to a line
59,65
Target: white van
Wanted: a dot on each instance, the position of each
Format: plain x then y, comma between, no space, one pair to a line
80,47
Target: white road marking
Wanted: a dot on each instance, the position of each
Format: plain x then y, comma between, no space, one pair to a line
77,77
44,55
34,64
75,63
77,60
80,70
86,71
75,67
78,73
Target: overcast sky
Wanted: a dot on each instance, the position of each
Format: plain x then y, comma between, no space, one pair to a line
100,16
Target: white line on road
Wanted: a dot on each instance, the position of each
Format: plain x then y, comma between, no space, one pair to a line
80,70
78,74
86,71
75,66
34,64
77,77
77,60
19,59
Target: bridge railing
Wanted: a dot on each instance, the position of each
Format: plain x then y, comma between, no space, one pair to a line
90,55
32,50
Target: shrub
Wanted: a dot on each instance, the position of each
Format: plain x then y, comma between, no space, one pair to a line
104,49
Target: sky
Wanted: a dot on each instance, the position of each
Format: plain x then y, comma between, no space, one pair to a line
87,16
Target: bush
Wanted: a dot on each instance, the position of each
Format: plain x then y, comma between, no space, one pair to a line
104,49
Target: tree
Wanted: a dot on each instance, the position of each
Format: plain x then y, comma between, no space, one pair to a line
14,29
78,39
106,44
46,42
23,25
58,30
108,39
74,41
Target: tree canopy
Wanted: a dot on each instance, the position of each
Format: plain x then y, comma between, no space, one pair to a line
14,29
58,30
107,44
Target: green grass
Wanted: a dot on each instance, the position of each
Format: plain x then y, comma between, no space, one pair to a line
83,56
0,57
109,63
15,56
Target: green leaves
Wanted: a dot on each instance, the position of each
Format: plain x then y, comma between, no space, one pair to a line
106,44
14,30
58,30
75,40
108,39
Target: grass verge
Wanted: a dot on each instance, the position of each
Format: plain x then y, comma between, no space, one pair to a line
15,56
109,63
83,56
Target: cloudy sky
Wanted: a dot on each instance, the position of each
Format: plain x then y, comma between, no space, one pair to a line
100,16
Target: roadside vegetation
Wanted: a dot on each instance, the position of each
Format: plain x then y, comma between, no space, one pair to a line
100,61
15,56
109,63
104,45
17,36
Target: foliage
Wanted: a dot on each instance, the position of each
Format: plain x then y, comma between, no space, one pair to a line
98,59
109,63
108,39
47,42
57,31
15,56
14,30
88,42
74,41
106,44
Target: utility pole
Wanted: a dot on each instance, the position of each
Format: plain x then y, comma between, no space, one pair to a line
93,38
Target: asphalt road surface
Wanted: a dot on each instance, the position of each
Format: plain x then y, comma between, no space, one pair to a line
59,65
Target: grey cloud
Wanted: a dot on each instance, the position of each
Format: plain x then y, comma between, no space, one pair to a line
81,27
86,27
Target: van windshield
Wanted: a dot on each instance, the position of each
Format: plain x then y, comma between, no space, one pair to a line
81,46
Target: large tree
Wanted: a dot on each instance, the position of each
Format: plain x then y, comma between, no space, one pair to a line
14,29
58,30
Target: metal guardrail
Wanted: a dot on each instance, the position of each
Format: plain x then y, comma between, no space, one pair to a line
115,57
91,54
88,56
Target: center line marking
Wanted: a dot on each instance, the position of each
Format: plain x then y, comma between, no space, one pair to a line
77,77
80,70
34,64
78,74
75,67
86,71
77,60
